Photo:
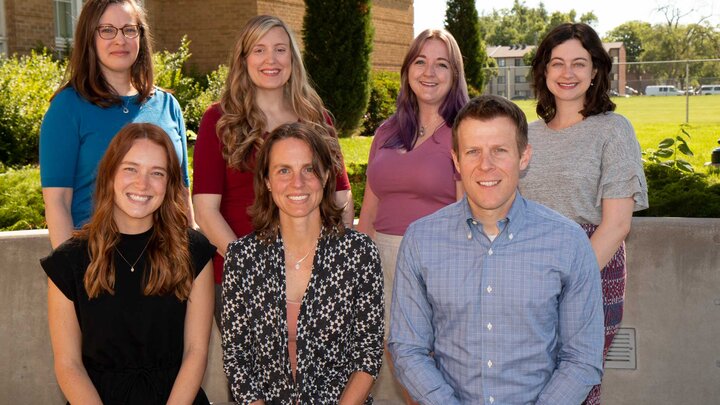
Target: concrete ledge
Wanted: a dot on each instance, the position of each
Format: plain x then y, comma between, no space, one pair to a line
672,301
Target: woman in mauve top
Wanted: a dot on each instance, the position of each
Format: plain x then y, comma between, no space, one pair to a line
586,160
410,171
266,87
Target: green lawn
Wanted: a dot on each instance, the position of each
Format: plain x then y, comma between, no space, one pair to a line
654,119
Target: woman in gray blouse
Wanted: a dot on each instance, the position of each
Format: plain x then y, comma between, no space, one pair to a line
586,159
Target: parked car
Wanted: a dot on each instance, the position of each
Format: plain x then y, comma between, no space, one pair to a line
707,89
630,91
663,90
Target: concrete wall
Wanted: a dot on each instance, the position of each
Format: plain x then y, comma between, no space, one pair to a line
672,301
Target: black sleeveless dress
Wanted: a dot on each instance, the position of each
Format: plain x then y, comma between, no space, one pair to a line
132,344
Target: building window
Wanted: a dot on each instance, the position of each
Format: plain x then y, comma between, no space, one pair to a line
501,62
3,38
518,62
66,14
520,79
501,80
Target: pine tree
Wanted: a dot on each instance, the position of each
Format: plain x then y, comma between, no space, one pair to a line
461,19
338,42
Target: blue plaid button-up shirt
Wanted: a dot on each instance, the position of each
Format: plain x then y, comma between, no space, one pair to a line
517,320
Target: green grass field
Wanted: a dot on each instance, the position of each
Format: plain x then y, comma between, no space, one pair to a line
654,119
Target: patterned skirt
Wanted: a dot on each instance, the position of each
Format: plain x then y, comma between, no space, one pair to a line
613,289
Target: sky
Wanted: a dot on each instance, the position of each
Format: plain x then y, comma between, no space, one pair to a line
610,13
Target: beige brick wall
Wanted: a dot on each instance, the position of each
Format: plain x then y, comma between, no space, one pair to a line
29,23
213,27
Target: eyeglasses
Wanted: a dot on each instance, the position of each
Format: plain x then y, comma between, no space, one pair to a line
110,32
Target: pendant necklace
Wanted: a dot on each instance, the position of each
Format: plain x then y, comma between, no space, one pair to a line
421,131
299,262
125,105
132,266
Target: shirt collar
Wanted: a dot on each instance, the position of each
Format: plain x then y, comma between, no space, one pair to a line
514,219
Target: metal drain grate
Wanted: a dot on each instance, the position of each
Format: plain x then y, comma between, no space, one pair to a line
622,350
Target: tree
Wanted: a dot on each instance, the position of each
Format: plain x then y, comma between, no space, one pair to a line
522,25
461,19
632,34
338,42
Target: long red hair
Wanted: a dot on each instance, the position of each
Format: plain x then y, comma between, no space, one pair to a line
169,268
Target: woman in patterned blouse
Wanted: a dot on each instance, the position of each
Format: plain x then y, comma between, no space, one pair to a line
302,295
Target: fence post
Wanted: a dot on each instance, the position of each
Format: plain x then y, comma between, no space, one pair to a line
687,94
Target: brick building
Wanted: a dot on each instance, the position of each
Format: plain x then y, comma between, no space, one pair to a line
211,25
512,75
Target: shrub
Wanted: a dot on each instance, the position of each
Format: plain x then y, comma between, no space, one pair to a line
194,95
26,85
461,20
356,174
21,203
338,42
383,95
674,193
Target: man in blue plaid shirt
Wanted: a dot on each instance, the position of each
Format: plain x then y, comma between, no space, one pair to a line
497,299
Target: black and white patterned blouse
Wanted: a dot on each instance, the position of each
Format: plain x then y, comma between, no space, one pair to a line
339,331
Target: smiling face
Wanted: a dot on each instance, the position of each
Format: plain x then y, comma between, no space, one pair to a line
570,71
489,163
295,187
139,186
269,62
117,55
430,74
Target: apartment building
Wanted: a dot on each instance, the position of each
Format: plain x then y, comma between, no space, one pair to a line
512,77
211,25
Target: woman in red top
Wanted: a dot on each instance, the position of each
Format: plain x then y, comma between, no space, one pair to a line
267,86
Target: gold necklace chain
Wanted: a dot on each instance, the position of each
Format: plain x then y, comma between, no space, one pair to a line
132,266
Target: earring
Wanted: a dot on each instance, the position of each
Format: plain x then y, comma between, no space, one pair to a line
592,83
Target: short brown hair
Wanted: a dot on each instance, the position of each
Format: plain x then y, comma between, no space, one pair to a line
487,107
325,149
597,99
83,72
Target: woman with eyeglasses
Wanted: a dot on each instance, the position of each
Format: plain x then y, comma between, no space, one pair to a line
109,84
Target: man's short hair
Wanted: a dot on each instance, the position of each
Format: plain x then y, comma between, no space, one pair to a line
487,107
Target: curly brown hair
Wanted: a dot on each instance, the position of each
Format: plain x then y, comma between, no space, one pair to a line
597,99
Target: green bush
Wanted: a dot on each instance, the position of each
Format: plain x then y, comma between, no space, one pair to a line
675,193
356,174
338,38
26,85
21,203
384,90
194,95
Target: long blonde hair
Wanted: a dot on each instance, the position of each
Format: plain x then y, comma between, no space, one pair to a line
242,124
170,270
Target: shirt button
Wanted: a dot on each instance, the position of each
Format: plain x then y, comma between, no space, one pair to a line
489,289
490,252
474,222
489,363
492,400
489,326
510,236
469,236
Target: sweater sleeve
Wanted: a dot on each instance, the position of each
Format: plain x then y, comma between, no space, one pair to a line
59,141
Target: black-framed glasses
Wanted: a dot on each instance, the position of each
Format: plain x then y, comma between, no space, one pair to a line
110,32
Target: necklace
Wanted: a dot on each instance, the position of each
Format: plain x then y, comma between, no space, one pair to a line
421,131
125,105
132,266
299,262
